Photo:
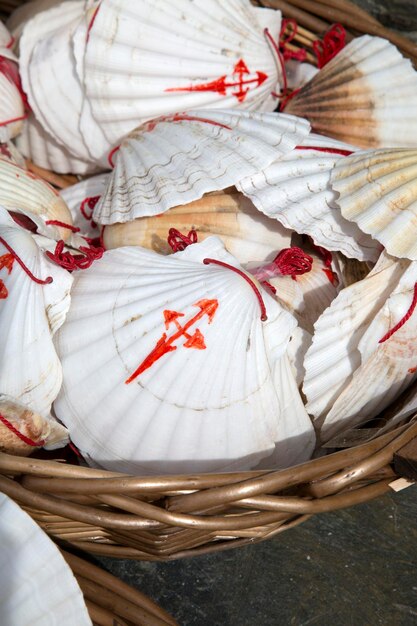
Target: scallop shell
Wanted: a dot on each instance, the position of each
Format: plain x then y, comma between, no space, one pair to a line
388,364
29,314
295,189
37,586
245,232
47,433
38,146
334,355
49,78
208,405
47,59
12,110
378,191
81,200
170,162
22,190
147,59
366,95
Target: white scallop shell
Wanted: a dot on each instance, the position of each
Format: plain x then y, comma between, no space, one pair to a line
22,190
295,189
30,314
49,77
81,199
334,355
147,59
209,408
38,146
36,584
246,233
378,191
366,95
172,162
386,368
44,431
12,110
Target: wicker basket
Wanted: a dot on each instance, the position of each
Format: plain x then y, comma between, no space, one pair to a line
169,517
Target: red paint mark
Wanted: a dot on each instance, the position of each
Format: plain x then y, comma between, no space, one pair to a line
332,276
73,229
6,261
331,44
3,291
72,262
328,150
21,436
404,319
412,370
165,344
178,241
24,267
250,282
10,70
89,203
93,19
238,88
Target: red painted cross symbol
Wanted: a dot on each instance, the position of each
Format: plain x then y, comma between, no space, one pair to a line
238,88
165,343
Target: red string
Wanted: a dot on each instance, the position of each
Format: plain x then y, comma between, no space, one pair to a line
73,229
111,155
39,281
90,26
289,30
11,43
250,282
178,241
404,319
14,119
21,436
280,58
72,262
332,43
293,262
90,203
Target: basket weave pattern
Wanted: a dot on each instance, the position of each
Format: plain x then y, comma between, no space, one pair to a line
168,517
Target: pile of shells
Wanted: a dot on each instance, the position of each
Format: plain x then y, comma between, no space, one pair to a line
230,287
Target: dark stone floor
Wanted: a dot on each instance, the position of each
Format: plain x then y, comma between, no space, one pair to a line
356,567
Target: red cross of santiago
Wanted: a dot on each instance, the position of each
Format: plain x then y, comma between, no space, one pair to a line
224,86
166,344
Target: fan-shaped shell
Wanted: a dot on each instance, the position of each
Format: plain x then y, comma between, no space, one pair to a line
175,161
334,355
245,232
81,200
147,59
168,366
378,191
388,362
30,313
36,584
23,190
38,146
35,429
295,189
366,95
47,60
